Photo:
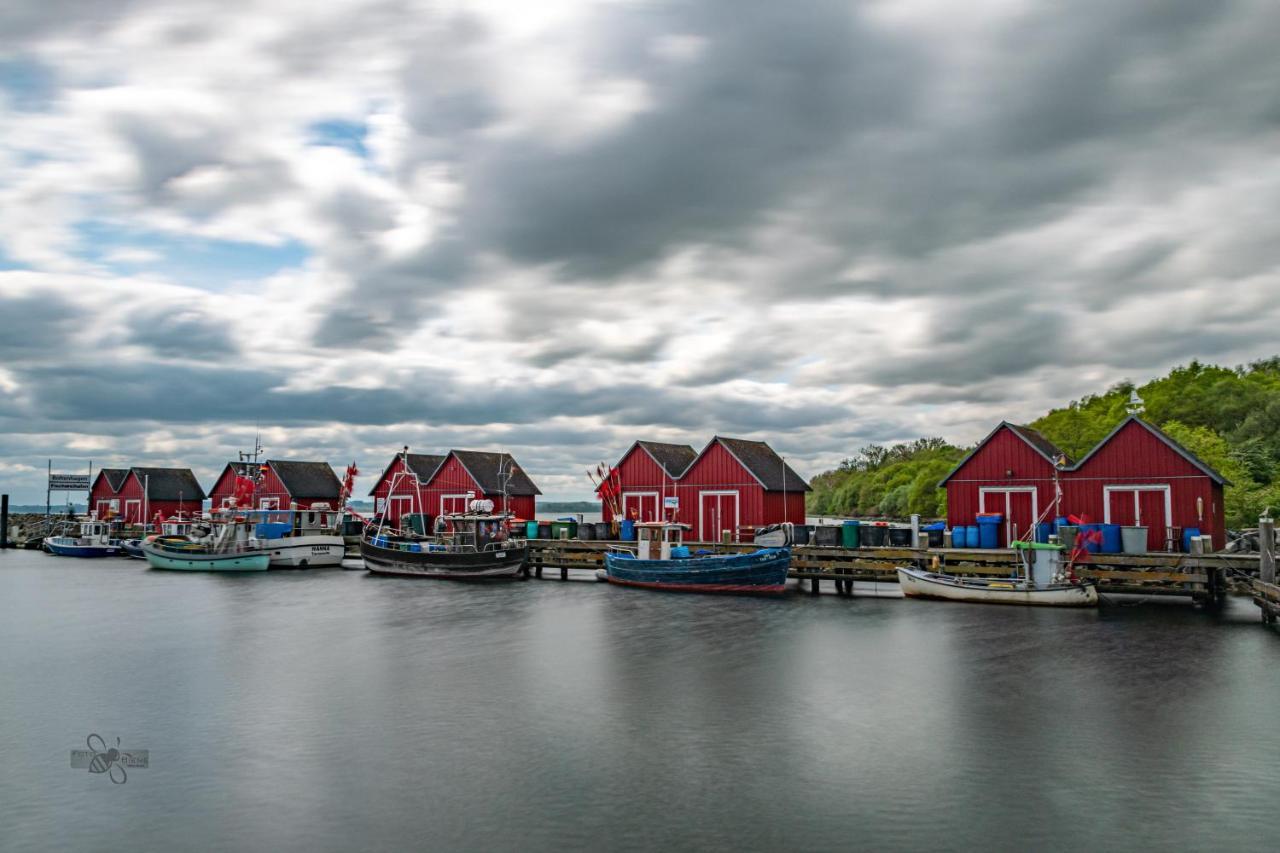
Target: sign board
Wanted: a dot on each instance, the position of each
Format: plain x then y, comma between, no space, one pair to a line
672,502
69,482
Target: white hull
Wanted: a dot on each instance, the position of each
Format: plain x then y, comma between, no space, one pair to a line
306,551
920,584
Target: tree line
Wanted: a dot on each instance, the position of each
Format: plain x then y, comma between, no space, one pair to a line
1229,417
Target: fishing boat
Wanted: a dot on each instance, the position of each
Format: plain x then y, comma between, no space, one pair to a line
1041,580
661,561
222,543
475,545
309,538
94,540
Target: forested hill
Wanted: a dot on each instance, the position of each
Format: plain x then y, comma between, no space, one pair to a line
1229,417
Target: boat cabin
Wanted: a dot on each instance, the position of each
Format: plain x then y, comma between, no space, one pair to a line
95,531
470,530
659,540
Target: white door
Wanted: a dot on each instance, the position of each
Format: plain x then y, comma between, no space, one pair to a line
452,503
132,512
644,505
718,511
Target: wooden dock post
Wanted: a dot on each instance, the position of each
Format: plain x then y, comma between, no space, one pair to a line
1267,546
4,521
813,585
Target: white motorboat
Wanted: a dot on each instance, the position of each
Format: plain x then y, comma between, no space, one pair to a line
1043,581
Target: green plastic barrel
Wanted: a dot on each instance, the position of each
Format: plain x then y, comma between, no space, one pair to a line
557,526
849,536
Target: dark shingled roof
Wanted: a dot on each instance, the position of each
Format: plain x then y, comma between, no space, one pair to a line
115,477
483,468
673,458
1047,448
766,465
307,479
170,484
421,464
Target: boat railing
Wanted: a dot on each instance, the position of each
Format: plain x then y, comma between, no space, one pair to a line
197,547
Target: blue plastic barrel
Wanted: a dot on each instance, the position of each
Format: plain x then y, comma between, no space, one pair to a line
531,529
989,530
1187,534
1111,541
627,530
1044,530
680,551
971,538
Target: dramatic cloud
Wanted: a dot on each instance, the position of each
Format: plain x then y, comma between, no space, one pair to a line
556,227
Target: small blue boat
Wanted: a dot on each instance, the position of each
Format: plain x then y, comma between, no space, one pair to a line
94,541
661,562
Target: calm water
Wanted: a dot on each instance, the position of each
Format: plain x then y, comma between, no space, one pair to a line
331,710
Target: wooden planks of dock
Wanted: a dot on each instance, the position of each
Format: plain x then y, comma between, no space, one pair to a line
1201,577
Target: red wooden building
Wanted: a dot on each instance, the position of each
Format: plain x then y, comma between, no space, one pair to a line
733,484
400,488
473,474
104,494
648,473
445,484
1137,475
282,484
144,492
736,484
1011,472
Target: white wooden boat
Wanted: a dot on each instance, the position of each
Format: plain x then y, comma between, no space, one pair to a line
1042,582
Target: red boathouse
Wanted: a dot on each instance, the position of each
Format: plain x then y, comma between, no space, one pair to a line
473,474
104,494
646,474
282,484
147,492
1140,476
738,485
1010,472
1136,476
400,489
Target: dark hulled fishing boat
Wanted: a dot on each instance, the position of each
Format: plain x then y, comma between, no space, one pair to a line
471,546
662,562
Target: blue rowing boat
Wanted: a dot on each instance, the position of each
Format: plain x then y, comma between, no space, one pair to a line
661,562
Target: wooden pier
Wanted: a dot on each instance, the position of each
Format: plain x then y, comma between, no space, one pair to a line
1203,578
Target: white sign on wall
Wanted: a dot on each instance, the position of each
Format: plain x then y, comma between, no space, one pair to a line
672,502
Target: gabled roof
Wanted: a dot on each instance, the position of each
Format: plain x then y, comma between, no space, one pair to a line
763,463
485,468
675,459
169,484
422,465
1037,442
307,479
1160,434
115,477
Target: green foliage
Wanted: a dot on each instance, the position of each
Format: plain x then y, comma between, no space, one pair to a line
1229,417
887,481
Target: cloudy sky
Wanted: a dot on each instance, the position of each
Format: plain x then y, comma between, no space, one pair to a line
554,227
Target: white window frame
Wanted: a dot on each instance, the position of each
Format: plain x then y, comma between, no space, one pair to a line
268,503
737,510
395,500
657,503
983,491
103,507
466,499
1137,501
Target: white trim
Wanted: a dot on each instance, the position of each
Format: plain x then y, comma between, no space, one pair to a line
1137,501
1008,514
657,503
394,500
464,497
737,508
268,503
